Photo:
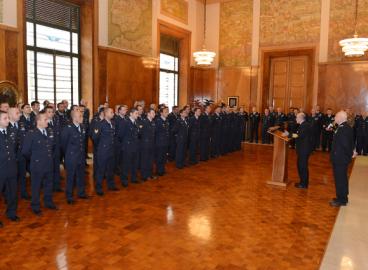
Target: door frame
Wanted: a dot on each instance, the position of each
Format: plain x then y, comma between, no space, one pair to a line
268,54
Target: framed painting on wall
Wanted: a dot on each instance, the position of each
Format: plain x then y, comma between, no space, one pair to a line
233,101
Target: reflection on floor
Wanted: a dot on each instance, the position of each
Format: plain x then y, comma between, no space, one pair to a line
348,246
215,215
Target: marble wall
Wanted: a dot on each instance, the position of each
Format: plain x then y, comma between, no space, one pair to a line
1,11
130,25
342,22
289,21
235,33
176,9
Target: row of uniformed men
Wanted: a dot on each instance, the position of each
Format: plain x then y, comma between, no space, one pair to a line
127,141
35,142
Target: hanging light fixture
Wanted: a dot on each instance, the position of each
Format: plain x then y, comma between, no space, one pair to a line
356,46
204,57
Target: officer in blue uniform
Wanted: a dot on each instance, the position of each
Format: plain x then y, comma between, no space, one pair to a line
147,145
205,133
8,168
216,133
105,152
162,138
35,105
266,124
361,126
129,136
93,133
194,136
39,147
327,130
17,133
280,119
54,128
320,120
181,132
119,122
25,118
243,124
172,118
254,119
73,143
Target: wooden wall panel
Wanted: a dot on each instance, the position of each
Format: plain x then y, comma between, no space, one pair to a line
235,82
123,78
202,84
343,85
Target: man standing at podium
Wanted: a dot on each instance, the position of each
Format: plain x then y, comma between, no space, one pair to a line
303,142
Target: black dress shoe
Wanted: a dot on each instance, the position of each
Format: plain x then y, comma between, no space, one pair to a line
58,190
161,174
124,185
14,218
83,197
135,182
1,224
144,179
70,201
52,207
153,177
301,186
114,189
337,203
37,212
100,193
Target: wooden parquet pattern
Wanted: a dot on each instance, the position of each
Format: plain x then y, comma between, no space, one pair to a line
216,215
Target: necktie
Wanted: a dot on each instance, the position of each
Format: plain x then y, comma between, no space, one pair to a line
44,133
79,129
4,132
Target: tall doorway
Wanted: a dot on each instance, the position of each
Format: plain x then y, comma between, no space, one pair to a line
288,78
288,82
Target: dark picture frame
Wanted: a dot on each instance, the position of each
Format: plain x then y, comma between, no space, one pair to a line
233,101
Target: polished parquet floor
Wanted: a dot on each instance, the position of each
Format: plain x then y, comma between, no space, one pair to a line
216,215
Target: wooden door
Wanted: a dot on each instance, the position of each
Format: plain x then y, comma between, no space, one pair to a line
288,82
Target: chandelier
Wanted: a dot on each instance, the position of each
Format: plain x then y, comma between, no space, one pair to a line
204,57
356,46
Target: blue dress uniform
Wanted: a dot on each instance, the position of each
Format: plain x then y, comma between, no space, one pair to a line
225,133
361,126
319,130
17,133
161,144
315,122
73,143
243,124
8,169
38,147
93,133
327,135
172,118
181,132
238,122
254,118
119,122
266,124
205,136
128,135
54,129
26,122
280,120
194,138
147,147
216,135
292,126
105,155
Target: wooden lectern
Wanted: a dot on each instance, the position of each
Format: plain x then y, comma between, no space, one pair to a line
280,154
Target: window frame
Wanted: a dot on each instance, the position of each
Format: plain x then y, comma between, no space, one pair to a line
54,53
176,98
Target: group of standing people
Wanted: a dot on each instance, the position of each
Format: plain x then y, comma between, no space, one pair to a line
126,142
